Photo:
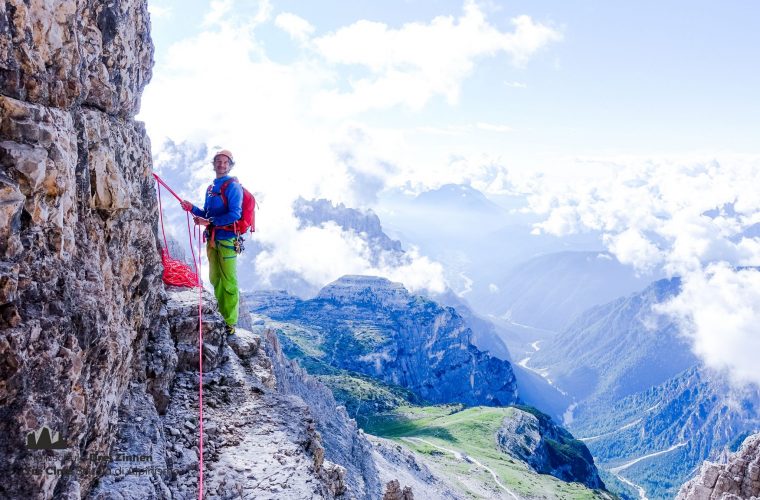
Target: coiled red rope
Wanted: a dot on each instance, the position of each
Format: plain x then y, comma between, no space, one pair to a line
177,273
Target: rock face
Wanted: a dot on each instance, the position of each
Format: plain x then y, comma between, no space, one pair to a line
532,437
258,442
397,465
393,491
79,271
737,479
484,334
69,54
344,444
375,327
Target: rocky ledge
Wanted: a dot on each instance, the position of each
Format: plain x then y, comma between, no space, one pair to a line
735,480
258,442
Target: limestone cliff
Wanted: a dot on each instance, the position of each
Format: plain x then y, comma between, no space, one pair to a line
79,272
737,479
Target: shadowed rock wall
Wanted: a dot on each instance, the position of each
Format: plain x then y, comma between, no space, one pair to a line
79,270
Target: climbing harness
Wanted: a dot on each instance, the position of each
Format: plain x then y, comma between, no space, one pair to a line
177,273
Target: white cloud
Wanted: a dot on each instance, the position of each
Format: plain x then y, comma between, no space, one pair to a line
411,64
719,309
418,273
297,27
218,10
221,87
631,247
222,12
158,11
494,127
688,218
323,254
516,85
653,213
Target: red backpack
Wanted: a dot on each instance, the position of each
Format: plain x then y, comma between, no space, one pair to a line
248,218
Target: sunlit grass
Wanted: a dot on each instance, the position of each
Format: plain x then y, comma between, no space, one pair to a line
471,432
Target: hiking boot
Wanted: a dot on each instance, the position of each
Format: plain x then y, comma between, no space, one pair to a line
229,329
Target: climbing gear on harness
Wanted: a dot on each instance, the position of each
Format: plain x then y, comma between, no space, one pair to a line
239,245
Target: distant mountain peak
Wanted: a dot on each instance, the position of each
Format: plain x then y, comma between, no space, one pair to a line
374,326
363,222
351,289
460,196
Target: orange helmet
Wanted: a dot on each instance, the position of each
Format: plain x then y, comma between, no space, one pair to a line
225,152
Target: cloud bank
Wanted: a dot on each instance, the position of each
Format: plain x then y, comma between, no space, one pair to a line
411,64
696,219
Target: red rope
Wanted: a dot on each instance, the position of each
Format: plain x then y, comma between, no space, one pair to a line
179,274
161,181
176,272
200,366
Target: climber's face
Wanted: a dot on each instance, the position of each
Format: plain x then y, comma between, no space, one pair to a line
222,165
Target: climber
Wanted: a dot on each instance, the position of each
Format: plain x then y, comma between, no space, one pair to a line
223,206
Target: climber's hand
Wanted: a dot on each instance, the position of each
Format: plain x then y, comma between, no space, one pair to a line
186,205
201,221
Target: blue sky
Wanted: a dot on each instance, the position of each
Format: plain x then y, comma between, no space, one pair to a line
627,78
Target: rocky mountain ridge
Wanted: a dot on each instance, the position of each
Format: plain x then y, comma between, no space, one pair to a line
550,290
384,332
323,333
644,405
535,439
258,441
687,419
617,349
364,223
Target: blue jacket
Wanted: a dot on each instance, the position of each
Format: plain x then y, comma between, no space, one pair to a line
215,210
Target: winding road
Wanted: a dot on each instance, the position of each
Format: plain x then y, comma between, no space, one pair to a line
616,470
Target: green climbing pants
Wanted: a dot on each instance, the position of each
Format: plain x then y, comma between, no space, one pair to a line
222,272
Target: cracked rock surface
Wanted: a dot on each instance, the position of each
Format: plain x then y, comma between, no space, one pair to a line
258,442
80,277
737,479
